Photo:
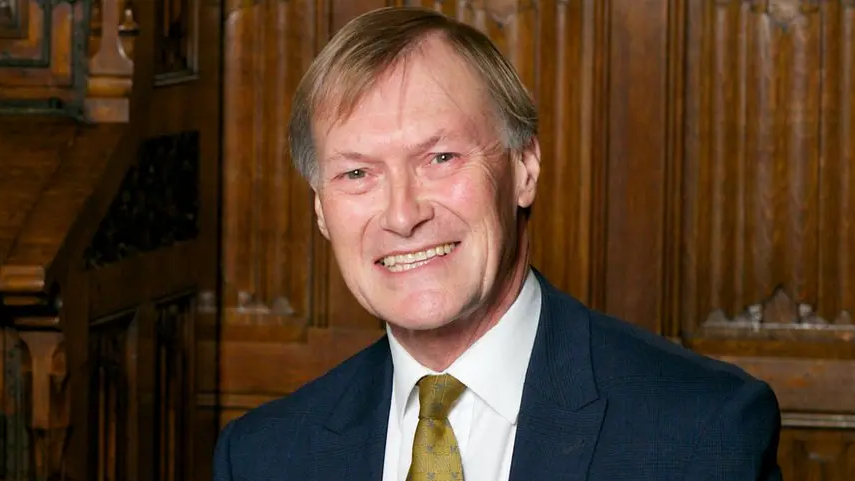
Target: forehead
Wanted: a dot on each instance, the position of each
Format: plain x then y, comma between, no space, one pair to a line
432,87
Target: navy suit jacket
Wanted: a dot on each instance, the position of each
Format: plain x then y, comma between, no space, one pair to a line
603,400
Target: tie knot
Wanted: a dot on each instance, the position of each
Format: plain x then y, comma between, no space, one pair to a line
437,394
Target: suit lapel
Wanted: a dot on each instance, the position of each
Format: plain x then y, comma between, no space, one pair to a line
352,443
561,412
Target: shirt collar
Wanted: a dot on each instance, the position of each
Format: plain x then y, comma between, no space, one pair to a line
493,368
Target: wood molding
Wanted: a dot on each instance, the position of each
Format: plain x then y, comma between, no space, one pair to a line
818,420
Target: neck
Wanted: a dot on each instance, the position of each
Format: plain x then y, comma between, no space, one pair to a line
437,349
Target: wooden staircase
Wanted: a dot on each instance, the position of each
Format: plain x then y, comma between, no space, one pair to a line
98,240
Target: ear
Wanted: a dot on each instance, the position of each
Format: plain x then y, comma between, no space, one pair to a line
322,223
527,167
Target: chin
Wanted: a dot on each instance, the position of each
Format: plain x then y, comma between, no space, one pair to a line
419,323
414,315
425,314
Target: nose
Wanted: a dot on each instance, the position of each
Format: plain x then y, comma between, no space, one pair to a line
406,210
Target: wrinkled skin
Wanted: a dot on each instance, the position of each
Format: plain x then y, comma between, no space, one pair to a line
421,162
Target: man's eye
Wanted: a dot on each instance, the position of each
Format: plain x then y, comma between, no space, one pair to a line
443,157
355,174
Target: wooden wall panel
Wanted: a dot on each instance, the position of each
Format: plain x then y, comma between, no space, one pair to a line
827,457
763,228
267,214
769,142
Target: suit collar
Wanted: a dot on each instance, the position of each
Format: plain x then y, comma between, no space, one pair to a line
352,443
561,372
367,396
561,410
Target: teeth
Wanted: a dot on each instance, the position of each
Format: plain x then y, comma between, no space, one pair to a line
403,262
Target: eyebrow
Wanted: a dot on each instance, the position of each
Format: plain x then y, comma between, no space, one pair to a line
416,148
427,144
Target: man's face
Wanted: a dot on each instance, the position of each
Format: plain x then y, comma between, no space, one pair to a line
418,195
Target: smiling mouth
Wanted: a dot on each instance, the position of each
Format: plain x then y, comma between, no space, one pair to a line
411,260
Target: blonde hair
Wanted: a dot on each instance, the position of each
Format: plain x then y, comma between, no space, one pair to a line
348,67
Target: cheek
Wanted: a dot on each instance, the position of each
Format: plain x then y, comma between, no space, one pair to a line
346,218
474,196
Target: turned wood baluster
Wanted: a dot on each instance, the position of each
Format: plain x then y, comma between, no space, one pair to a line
50,401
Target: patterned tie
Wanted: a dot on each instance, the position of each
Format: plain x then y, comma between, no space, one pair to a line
436,456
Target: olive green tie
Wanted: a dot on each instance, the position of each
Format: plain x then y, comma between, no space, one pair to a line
436,455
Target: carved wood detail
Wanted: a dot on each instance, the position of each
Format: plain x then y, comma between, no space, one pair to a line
767,173
157,204
42,56
73,57
784,13
50,402
113,32
177,41
14,18
779,309
779,316
35,398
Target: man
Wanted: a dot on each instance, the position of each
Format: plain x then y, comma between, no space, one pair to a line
419,141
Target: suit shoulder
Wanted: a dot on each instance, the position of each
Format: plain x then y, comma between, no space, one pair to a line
624,353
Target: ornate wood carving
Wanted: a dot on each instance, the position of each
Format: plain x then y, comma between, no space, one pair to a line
157,204
177,40
767,176
14,16
67,56
112,39
42,56
50,402
781,310
784,13
779,316
34,421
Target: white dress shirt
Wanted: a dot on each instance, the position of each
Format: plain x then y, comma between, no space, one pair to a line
485,417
